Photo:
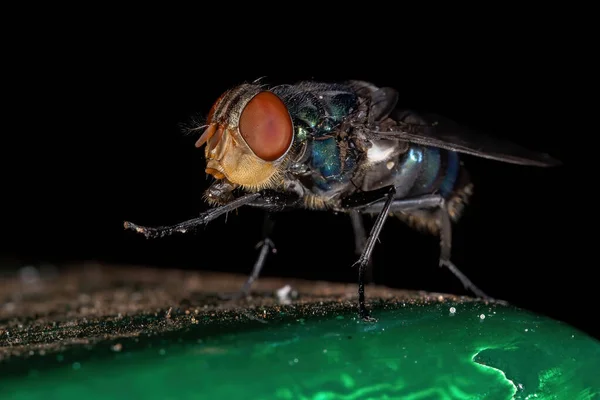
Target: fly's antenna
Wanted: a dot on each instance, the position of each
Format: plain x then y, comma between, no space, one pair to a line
196,123
188,130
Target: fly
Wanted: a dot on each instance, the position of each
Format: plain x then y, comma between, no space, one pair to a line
340,147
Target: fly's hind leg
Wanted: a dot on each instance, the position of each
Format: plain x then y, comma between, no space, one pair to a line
445,231
446,249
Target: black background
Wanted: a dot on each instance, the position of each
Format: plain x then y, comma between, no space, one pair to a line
97,116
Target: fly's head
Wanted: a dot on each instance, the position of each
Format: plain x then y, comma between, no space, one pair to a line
249,134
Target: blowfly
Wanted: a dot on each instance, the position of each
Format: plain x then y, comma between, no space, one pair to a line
340,147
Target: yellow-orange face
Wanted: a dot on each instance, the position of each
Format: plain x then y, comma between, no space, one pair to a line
249,133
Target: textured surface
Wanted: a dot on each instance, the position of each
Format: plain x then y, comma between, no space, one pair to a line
45,310
139,333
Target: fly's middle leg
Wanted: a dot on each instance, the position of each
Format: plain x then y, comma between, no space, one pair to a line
360,241
366,253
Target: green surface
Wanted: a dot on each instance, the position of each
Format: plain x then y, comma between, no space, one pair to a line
413,352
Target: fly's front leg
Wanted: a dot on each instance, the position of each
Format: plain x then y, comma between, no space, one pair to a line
266,245
185,226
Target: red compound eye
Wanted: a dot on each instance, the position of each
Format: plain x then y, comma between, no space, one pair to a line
266,126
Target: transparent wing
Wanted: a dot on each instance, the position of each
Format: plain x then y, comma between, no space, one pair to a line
382,101
437,131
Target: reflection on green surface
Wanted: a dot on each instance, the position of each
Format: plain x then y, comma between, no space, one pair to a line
436,351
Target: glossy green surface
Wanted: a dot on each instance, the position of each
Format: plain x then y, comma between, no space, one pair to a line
413,352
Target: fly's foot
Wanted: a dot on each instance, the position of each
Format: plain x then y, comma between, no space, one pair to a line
268,243
463,279
368,318
363,312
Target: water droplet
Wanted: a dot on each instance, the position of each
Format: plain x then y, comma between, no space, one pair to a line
117,347
452,310
347,381
482,316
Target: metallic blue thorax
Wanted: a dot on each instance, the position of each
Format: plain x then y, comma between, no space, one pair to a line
330,161
317,110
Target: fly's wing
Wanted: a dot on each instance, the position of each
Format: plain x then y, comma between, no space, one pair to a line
437,131
382,101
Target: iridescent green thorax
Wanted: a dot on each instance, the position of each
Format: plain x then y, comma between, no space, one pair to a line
317,110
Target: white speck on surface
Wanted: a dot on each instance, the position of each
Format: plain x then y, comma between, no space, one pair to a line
286,294
9,307
452,310
390,165
117,347
29,275
482,316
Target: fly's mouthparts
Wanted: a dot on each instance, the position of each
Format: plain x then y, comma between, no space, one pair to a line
216,173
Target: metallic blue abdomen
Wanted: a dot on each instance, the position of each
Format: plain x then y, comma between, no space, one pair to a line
326,162
423,170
